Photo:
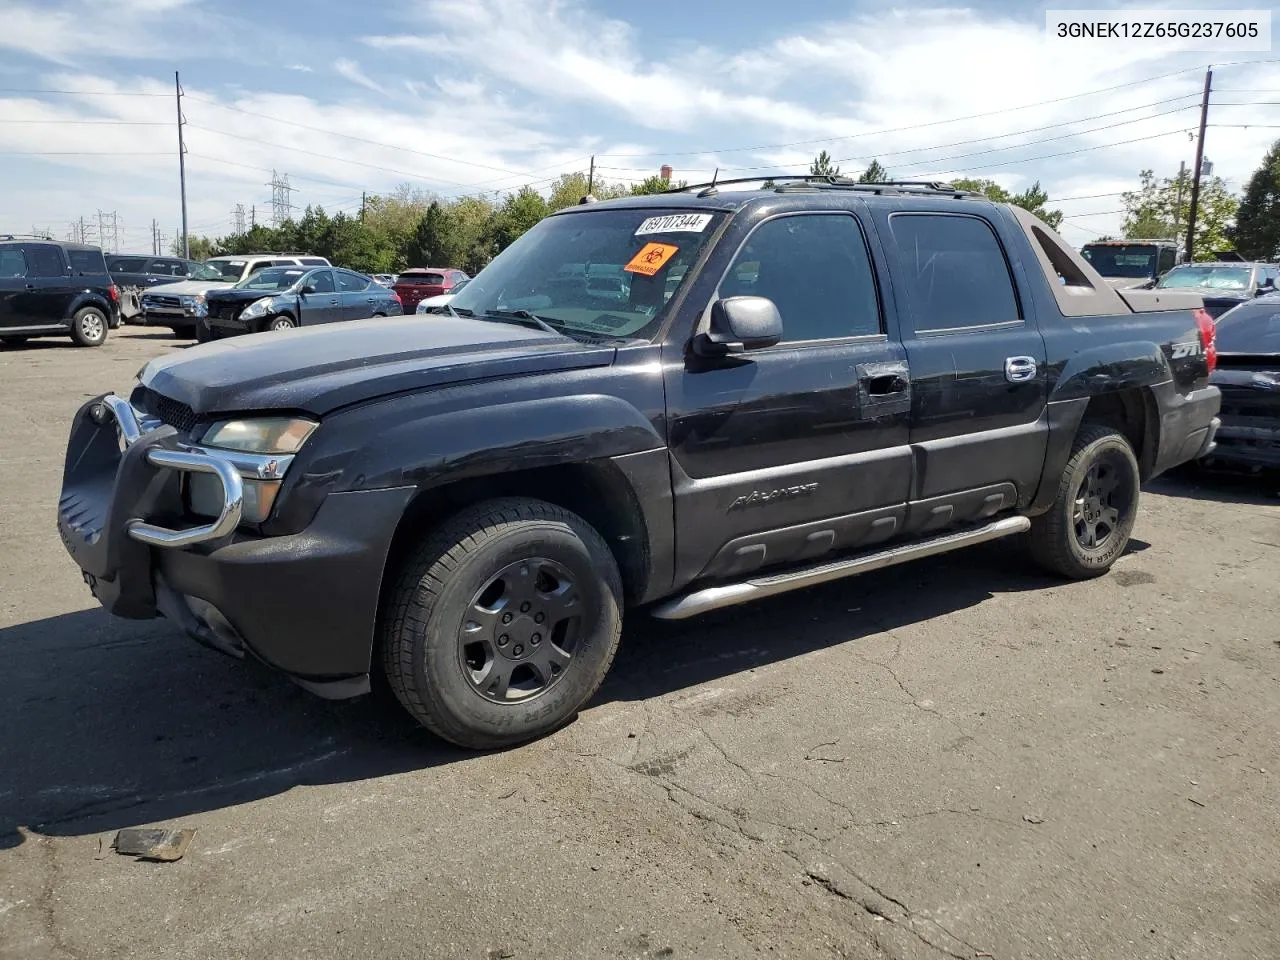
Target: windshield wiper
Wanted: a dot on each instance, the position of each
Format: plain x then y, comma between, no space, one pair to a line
520,316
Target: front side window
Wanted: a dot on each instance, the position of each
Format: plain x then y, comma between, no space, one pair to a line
604,273
321,281
122,264
955,271
12,262
816,270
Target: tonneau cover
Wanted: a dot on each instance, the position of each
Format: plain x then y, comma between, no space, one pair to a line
1155,301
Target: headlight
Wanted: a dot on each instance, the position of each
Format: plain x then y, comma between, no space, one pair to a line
195,303
259,308
421,307
260,435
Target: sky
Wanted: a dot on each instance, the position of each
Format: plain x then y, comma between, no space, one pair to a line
463,97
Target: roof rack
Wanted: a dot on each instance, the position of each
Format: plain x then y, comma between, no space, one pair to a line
27,236
792,181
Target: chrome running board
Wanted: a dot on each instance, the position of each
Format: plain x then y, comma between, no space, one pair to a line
728,595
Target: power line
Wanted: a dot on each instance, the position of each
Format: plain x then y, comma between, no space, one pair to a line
83,93
101,122
81,153
1065,153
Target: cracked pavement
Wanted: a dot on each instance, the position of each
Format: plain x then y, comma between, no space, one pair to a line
956,758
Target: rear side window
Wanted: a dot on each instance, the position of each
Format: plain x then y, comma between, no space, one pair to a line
1251,328
12,262
955,271
117,264
816,270
87,261
313,261
45,261
351,282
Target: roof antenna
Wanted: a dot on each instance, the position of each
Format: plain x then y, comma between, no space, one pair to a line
711,190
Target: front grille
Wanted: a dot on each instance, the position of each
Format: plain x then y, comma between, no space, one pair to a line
173,412
226,311
157,300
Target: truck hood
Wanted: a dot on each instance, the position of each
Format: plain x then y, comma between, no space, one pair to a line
189,287
317,370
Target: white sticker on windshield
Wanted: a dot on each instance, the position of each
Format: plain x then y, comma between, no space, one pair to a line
675,223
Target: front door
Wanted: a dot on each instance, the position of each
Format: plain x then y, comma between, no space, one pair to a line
792,452
322,303
977,366
13,283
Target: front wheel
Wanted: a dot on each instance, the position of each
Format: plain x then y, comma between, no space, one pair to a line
89,327
280,323
503,623
1088,527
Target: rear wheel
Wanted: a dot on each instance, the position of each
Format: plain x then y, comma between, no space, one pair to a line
503,623
1088,527
89,327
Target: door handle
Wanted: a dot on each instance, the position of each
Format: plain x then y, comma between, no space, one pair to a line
886,385
334,301
371,299
1019,369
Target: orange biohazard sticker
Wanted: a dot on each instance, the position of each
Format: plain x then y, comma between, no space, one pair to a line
651,258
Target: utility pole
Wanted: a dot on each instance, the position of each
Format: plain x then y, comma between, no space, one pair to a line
1195,174
591,176
253,216
1177,214
363,199
182,164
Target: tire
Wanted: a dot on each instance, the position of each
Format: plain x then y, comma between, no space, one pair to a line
204,333
1060,537
281,322
186,333
89,327
474,564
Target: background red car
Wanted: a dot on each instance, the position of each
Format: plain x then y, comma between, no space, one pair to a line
422,282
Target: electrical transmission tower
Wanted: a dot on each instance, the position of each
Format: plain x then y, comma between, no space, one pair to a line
109,231
281,207
237,219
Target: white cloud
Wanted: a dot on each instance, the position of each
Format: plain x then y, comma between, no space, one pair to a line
351,71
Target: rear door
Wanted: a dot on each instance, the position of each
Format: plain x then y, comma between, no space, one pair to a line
13,283
798,450
358,300
977,365
49,290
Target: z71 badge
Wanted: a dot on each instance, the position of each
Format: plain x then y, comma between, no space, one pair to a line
1191,348
758,498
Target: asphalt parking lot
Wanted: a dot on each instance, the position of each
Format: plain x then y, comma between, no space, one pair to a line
957,758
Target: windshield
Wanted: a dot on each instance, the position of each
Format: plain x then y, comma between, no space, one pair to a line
215,271
1212,277
272,278
1253,327
1134,260
607,273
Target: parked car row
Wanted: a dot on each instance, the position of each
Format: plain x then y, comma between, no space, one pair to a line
285,297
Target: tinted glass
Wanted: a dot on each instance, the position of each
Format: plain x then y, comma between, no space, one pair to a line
1251,328
274,278
545,271
1167,259
226,269
87,261
313,261
12,263
322,280
424,279
351,282
955,271
120,264
167,268
43,261
1123,260
1208,276
816,271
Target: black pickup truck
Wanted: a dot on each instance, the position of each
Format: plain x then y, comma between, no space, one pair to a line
795,385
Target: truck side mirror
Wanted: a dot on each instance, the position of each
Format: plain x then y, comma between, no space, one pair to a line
739,324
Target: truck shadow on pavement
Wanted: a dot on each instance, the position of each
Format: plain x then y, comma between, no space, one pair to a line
1219,487
110,723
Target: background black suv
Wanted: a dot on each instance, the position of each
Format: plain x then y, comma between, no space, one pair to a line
135,272
55,289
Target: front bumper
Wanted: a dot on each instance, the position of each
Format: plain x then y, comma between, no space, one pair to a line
304,603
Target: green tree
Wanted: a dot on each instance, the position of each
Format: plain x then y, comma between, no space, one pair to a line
1160,208
768,185
823,167
569,189
202,248
435,242
874,173
518,213
656,184
1257,230
1032,199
